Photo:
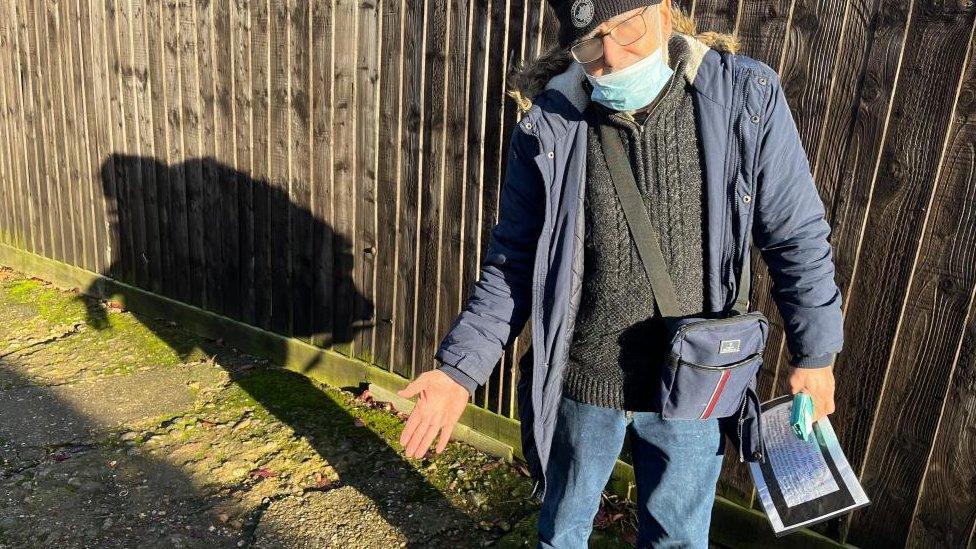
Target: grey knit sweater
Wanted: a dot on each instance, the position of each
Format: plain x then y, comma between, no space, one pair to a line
619,341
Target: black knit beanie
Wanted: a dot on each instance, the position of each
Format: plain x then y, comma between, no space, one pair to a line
579,17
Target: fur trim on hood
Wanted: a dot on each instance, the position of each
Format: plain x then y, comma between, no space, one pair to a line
556,68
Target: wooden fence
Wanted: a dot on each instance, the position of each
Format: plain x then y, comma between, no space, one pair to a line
329,170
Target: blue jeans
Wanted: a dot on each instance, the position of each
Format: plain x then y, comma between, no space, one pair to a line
676,466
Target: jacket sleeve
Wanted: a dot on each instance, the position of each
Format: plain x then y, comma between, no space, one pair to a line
498,307
791,231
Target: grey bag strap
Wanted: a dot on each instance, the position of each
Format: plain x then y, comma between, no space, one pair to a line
645,236
640,224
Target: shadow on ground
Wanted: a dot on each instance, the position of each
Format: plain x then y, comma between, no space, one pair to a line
113,438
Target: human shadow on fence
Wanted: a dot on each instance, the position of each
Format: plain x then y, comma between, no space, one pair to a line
203,233
206,234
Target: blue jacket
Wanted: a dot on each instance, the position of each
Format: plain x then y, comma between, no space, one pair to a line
759,190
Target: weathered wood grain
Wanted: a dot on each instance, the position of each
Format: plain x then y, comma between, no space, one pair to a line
388,182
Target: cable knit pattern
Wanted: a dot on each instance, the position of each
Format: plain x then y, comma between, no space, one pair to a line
618,338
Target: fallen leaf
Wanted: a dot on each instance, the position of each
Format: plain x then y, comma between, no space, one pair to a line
490,465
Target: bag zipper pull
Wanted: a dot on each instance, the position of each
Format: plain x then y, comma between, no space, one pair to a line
742,409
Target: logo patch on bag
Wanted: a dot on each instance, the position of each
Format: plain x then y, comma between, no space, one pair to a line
729,346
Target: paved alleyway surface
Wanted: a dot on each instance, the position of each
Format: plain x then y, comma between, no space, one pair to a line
120,430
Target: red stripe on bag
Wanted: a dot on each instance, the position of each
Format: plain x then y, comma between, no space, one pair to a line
715,394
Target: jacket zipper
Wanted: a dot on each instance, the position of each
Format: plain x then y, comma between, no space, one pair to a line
737,126
537,306
733,189
536,275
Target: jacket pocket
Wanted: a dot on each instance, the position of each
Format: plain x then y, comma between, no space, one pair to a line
695,391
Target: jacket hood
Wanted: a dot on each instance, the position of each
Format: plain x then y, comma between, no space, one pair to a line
556,68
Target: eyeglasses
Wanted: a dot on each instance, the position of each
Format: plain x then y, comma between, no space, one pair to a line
624,33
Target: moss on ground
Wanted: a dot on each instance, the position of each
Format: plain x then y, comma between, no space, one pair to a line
102,340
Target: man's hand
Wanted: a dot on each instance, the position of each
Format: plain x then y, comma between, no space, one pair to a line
441,402
819,384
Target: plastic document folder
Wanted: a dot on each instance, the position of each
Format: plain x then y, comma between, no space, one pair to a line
801,483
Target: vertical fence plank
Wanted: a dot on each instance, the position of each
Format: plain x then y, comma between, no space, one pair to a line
158,169
260,65
38,193
494,137
104,125
515,35
388,181
367,124
81,178
53,159
207,160
431,176
193,137
240,28
280,158
144,155
121,201
412,83
347,271
478,70
90,46
26,144
227,179
130,166
62,145
9,177
323,298
857,395
75,92
174,199
454,182
299,198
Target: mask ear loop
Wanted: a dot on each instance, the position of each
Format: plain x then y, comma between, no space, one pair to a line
660,36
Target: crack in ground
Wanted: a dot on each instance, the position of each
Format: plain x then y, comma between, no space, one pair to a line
253,521
55,452
7,473
75,328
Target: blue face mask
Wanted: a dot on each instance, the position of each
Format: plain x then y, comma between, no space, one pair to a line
633,86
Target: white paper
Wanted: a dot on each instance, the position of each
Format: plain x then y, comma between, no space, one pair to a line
799,466
802,482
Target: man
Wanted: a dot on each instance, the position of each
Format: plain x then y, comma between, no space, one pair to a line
718,161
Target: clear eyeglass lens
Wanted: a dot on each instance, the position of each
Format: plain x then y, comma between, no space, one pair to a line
588,50
624,34
629,31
